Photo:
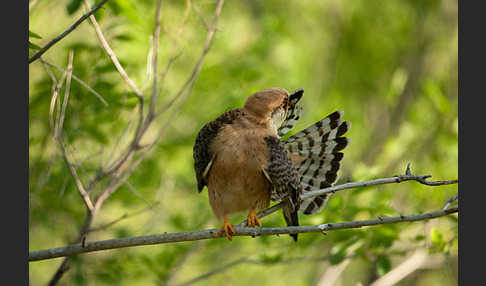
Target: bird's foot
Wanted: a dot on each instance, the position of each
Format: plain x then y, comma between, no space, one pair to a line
227,227
253,219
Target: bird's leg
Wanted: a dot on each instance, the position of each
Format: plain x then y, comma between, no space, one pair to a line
227,227
253,219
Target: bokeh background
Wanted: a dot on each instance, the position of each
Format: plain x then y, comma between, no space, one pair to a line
390,65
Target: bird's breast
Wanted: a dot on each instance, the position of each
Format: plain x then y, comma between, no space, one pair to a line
236,181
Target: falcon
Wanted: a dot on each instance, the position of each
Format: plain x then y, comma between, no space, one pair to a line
244,163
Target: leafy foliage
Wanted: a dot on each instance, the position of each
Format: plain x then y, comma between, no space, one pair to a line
390,65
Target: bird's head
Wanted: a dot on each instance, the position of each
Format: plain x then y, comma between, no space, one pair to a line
271,105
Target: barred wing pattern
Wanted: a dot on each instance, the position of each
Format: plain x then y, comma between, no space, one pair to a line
293,114
318,145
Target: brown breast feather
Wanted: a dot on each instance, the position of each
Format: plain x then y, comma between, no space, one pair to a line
236,181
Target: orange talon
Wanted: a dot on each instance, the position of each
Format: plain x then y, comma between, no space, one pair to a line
253,219
227,227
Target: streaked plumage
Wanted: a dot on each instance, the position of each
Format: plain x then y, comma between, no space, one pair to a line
240,158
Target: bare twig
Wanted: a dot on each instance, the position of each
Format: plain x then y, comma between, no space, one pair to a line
353,185
209,39
155,49
125,164
112,54
187,86
65,33
201,18
210,234
66,94
84,194
417,261
58,138
333,272
186,15
216,271
85,85
450,201
397,179
125,216
56,86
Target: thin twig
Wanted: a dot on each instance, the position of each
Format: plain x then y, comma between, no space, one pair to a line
58,138
187,86
210,234
112,54
125,216
199,15
85,85
216,271
353,185
184,19
56,86
209,40
66,93
450,201
65,33
415,262
155,49
397,179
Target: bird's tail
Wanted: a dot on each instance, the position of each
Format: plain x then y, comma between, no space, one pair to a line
315,153
290,209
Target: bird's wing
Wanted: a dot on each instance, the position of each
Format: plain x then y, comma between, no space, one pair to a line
315,151
203,157
284,178
293,114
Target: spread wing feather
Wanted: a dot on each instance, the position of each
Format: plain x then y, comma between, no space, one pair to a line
201,152
319,145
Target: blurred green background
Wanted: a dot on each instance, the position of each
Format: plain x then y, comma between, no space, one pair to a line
390,65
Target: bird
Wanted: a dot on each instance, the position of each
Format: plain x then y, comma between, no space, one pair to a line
243,160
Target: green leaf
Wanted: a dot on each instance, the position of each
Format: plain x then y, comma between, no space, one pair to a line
271,259
419,237
34,35
438,241
383,265
73,6
33,46
436,236
337,257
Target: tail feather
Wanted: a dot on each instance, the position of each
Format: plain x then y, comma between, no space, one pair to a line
319,144
310,149
290,214
320,128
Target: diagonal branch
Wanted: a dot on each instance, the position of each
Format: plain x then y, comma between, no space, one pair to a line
58,138
450,201
239,231
155,50
195,72
112,54
65,33
125,216
85,85
125,164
